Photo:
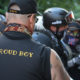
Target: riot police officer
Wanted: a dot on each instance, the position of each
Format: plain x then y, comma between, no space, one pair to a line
55,21
72,43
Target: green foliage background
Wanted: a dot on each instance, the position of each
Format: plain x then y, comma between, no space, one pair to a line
73,5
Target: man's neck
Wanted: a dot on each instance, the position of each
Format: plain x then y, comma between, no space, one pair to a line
18,28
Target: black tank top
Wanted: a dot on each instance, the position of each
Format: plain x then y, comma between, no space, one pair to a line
21,58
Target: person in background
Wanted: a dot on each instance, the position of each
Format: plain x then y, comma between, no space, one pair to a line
2,23
71,41
77,20
2,18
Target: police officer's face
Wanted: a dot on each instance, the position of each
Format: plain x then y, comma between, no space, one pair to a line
62,28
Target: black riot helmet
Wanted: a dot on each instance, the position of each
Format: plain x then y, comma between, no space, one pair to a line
57,17
74,26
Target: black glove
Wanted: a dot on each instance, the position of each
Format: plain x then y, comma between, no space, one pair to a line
77,60
74,61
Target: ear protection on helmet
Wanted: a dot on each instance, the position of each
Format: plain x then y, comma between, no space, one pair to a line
69,17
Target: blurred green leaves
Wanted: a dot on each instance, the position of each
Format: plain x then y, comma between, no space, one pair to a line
3,6
67,4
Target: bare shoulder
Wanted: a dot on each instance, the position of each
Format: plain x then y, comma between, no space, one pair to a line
58,71
54,56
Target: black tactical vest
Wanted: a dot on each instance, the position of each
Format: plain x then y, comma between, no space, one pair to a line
21,58
48,38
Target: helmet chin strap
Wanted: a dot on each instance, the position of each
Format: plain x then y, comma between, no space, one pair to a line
57,30
59,34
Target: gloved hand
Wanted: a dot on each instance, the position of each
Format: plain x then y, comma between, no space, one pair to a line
74,61
77,60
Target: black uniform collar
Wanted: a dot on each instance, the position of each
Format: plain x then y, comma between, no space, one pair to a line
16,35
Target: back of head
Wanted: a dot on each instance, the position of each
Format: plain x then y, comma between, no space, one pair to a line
77,20
74,26
21,7
56,16
22,12
26,6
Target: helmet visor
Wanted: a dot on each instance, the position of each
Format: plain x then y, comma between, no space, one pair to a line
69,17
